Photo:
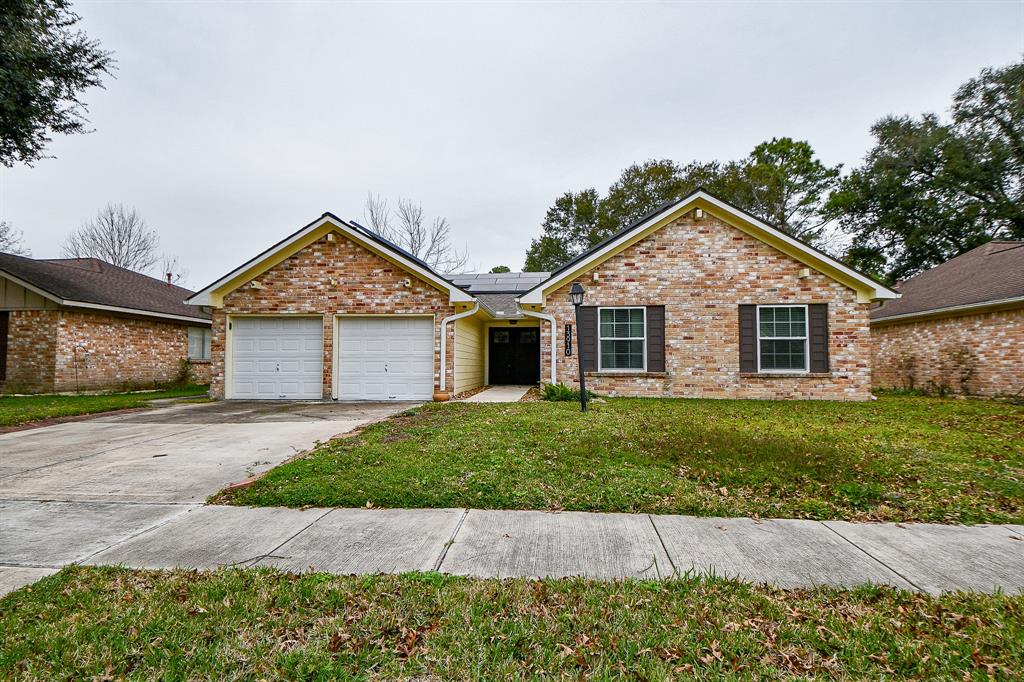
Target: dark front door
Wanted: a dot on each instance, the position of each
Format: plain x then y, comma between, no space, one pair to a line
514,355
4,321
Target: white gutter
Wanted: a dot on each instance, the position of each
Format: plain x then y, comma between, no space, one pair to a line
554,344
444,338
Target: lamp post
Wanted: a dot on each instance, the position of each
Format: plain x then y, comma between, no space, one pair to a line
576,296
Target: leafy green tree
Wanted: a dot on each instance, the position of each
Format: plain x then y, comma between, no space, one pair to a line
929,190
780,178
45,65
569,228
497,269
784,184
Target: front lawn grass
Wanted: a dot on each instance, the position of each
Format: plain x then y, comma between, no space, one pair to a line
113,623
899,458
17,410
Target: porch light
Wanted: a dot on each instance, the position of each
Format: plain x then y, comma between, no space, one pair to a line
576,294
576,297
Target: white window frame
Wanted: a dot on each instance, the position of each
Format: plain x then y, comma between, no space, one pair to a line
600,338
806,338
205,342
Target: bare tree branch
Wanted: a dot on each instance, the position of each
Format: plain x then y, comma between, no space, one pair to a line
173,272
117,235
406,226
12,240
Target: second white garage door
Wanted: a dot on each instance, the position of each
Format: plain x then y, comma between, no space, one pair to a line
385,358
274,358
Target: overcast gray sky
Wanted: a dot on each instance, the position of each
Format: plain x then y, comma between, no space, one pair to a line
230,125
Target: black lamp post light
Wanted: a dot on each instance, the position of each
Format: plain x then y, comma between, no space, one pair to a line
576,297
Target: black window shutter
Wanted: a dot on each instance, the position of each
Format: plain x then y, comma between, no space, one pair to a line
655,338
817,317
588,336
748,338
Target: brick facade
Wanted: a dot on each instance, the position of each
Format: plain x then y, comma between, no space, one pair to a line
328,278
939,353
69,350
701,270
31,340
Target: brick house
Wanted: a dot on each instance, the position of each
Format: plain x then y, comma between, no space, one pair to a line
697,299
958,327
84,324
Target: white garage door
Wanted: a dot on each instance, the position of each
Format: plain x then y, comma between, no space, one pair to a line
275,358
385,358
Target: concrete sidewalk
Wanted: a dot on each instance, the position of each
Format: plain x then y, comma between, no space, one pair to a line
488,543
499,394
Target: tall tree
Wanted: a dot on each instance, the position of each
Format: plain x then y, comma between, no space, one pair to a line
12,240
569,228
118,235
779,178
46,63
785,184
500,269
407,226
930,190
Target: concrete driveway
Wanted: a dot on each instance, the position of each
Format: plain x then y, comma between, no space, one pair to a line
72,490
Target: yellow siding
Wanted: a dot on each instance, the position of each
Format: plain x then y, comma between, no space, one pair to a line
16,297
469,354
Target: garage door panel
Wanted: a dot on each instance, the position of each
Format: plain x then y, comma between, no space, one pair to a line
386,358
277,357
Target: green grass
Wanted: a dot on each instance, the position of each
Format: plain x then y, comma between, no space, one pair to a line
111,623
17,410
898,458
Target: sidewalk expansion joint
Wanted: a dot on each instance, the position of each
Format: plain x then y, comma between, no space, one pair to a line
251,561
874,558
451,540
160,524
671,561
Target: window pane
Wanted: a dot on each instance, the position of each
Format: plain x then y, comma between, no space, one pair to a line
782,321
776,355
207,342
622,323
622,354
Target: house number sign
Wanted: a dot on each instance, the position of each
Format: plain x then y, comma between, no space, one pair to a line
568,339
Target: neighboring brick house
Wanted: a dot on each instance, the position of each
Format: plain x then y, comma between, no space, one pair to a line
957,328
84,324
697,299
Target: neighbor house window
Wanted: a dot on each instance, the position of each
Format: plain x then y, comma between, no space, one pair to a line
622,336
782,338
198,343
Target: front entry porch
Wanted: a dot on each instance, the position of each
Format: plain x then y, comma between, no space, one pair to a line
513,356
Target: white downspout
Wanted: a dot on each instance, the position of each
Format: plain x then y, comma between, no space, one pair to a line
444,339
554,339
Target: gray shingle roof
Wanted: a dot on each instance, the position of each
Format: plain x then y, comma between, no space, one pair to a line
498,282
90,280
499,305
991,272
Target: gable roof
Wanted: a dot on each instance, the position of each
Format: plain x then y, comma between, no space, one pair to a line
867,288
991,274
213,294
93,283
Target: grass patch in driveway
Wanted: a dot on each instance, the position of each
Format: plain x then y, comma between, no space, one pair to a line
17,410
897,458
112,623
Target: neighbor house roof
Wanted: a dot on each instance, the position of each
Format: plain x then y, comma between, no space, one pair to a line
989,275
93,283
867,288
304,236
